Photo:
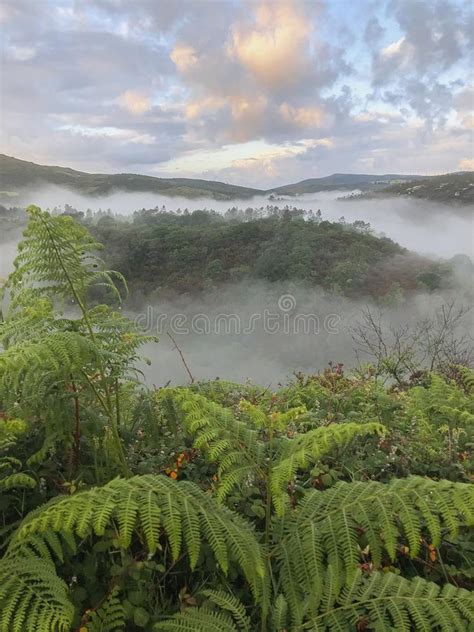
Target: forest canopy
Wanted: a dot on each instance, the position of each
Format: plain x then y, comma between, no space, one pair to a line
171,252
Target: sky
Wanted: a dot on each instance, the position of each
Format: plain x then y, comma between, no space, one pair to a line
250,92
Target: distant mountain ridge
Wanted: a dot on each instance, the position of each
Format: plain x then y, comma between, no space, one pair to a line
344,181
450,187
17,175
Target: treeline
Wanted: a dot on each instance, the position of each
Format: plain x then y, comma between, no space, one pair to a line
189,252
162,252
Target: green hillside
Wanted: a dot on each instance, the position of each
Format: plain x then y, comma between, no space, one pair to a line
343,181
16,175
448,188
169,253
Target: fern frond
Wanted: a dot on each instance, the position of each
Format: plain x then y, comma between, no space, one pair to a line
307,449
229,616
467,375
33,597
10,432
231,443
228,602
280,614
56,258
147,507
17,481
110,617
197,620
329,529
386,602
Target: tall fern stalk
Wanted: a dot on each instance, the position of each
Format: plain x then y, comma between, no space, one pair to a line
79,295
44,351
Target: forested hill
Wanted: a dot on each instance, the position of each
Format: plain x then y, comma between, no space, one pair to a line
180,252
345,181
191,252
16,175
451,188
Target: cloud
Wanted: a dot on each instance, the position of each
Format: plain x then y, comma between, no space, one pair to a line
467,164
260,77
305,117
184,57
423,68
320,86
274,46
134,102
20,53
395,49
373,31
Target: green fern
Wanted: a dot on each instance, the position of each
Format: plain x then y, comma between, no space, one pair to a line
467,376
143,507
307,449
11,430
220,612
33,597
255,447
110,617
57,258
198,620
378,601
387,602
52,366
330,528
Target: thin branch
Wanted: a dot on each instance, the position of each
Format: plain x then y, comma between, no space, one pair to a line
191,377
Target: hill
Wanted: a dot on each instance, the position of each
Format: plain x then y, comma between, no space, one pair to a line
17,175
448,188
344,181
173,254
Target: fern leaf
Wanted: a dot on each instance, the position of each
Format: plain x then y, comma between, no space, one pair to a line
110,617
33,597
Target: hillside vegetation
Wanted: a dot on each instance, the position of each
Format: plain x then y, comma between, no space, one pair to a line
16,175
164,252
338,502
344,181
192,252
19,175
451,188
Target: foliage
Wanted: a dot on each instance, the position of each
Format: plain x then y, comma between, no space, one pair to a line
161,251
335,503
54,366
16,175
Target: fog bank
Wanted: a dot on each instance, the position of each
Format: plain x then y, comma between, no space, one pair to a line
426,227
265,333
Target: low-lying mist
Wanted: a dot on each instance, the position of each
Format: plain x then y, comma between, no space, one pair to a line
426,227
7,254
266,332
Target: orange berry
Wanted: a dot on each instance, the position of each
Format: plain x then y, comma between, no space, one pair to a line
174,474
